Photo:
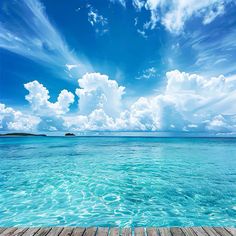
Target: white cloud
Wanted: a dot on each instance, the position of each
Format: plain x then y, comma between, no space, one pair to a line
181,83
51,123
11,119
140,116
76,122
209,49
218,123
188,102
152,6
156,113
96,120
174,13
71,66
148,73
98,21
138,4
198,97
99,120
121,2
98,92
33,36
213,12
38,98
142,33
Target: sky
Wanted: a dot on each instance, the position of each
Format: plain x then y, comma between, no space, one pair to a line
118,65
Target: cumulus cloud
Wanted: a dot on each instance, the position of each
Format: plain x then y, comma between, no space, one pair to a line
188,102
38,98
174,14
11,119
97,91
51,123
222,123
97,120
213,95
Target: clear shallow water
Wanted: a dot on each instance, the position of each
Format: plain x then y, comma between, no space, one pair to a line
117,181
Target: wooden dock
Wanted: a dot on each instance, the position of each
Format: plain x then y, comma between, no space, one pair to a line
103,231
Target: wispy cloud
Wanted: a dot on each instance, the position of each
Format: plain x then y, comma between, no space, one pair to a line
121,2
138,4
218,10
98,21
142,33
174,14
26,30
214,48
148,73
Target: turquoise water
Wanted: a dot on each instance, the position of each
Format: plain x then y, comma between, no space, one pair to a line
117,181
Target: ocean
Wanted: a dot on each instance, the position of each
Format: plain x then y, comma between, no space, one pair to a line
117,181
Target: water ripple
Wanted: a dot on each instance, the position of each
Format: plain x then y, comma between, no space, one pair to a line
117,182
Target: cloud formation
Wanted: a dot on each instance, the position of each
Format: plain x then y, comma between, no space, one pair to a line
173,14
26,30
98,21
188,102
11,119
97,91
121,2
148,73
38,98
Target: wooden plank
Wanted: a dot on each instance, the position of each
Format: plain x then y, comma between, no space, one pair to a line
42,231
31,231
102,231
210,231
55,231
139,231
231,230
164,231
188,231
126,232
114,232
221,231
19,231
8,231
78,231
151,231
90,231
67,231
176,231
199,231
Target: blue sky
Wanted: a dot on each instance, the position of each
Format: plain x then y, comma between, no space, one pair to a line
118,65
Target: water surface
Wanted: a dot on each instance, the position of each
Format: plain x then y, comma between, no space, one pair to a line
117,181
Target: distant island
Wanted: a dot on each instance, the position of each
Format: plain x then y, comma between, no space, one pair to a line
22,134
69,134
